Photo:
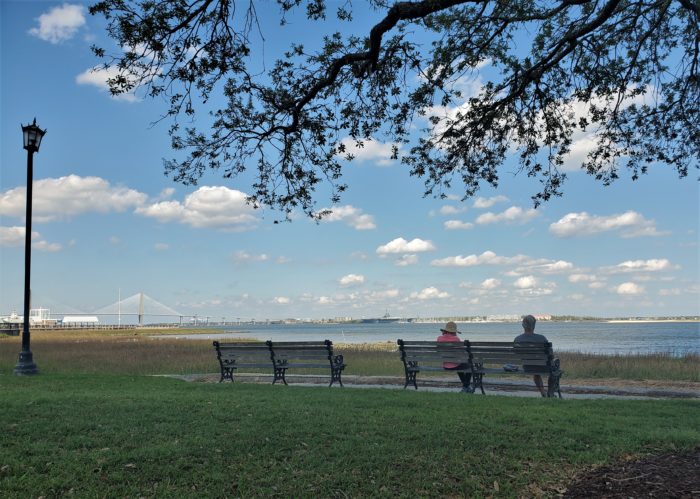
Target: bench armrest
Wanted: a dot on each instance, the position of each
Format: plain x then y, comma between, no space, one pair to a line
337,361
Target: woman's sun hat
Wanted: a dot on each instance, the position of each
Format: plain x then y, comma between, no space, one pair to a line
450,327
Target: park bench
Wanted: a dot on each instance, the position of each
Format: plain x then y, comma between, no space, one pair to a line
420,356
280,357
306,355
509,358
233,356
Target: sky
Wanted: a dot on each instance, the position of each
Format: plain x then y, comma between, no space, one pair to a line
107,222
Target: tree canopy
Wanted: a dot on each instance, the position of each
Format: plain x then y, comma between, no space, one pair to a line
624,71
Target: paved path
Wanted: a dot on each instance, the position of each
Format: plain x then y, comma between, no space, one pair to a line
513,388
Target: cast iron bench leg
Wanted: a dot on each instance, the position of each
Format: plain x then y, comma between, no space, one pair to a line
335,376
411,379
226,373
279,374
553,385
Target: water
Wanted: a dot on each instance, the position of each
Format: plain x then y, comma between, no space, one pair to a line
676,338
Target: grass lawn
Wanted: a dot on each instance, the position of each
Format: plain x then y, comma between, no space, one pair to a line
116,435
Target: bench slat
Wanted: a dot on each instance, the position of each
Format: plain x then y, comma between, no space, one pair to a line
279,357
482,357
511,360
489,370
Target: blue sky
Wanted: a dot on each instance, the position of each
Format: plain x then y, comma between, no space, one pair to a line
108,221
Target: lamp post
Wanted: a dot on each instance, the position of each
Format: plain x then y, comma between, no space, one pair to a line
32,140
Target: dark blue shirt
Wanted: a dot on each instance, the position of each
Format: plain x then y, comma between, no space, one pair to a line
530,338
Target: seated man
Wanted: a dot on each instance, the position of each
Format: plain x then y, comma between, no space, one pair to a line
449,334
529,336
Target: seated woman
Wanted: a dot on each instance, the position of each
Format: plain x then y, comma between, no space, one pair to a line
449,334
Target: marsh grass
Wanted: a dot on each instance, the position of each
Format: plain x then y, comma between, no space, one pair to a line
101,435
137,352
384,359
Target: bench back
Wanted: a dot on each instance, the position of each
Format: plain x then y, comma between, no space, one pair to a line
243,354
433,353
302,353
497,353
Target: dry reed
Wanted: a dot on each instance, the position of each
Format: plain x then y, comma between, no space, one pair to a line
134,352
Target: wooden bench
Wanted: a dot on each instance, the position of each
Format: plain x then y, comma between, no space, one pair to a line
420,356
501,358
306,355
233,356
279,356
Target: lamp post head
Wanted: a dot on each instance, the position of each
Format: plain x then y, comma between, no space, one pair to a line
32,136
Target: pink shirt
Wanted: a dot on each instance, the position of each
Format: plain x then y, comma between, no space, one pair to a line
448,337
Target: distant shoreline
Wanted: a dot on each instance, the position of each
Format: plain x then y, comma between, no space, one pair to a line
624,321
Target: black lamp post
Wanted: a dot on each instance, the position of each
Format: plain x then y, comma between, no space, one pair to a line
32,140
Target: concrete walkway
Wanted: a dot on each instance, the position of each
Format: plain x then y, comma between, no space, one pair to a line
513,388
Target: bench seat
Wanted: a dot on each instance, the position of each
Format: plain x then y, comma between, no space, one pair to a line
510,358
280,357
306,355
233,356
481,358
420,356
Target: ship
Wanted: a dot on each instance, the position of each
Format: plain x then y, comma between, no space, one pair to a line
385,319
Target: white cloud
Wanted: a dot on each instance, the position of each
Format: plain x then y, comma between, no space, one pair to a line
490,283
670,292
324,300
514,214
98,76
575,278
161,246
457,225
629,288
45,246
482,203
581,145
486,258
451,210
406,260
166,193
215,207
554,267
245,257
383,295
60,23
525,282
282,300
429,294
351,216
371,150
530,286
596,285
60,198
628,224
351,280
401,245
584,142
14,237
653,265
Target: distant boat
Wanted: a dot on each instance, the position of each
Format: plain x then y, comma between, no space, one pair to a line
13,318
385,319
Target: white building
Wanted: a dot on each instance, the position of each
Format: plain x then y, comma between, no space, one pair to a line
80,320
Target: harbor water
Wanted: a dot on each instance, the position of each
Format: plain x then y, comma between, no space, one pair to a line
675,338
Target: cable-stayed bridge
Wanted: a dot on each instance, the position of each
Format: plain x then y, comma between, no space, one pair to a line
137,308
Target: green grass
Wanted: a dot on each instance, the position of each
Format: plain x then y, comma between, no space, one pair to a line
108,435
